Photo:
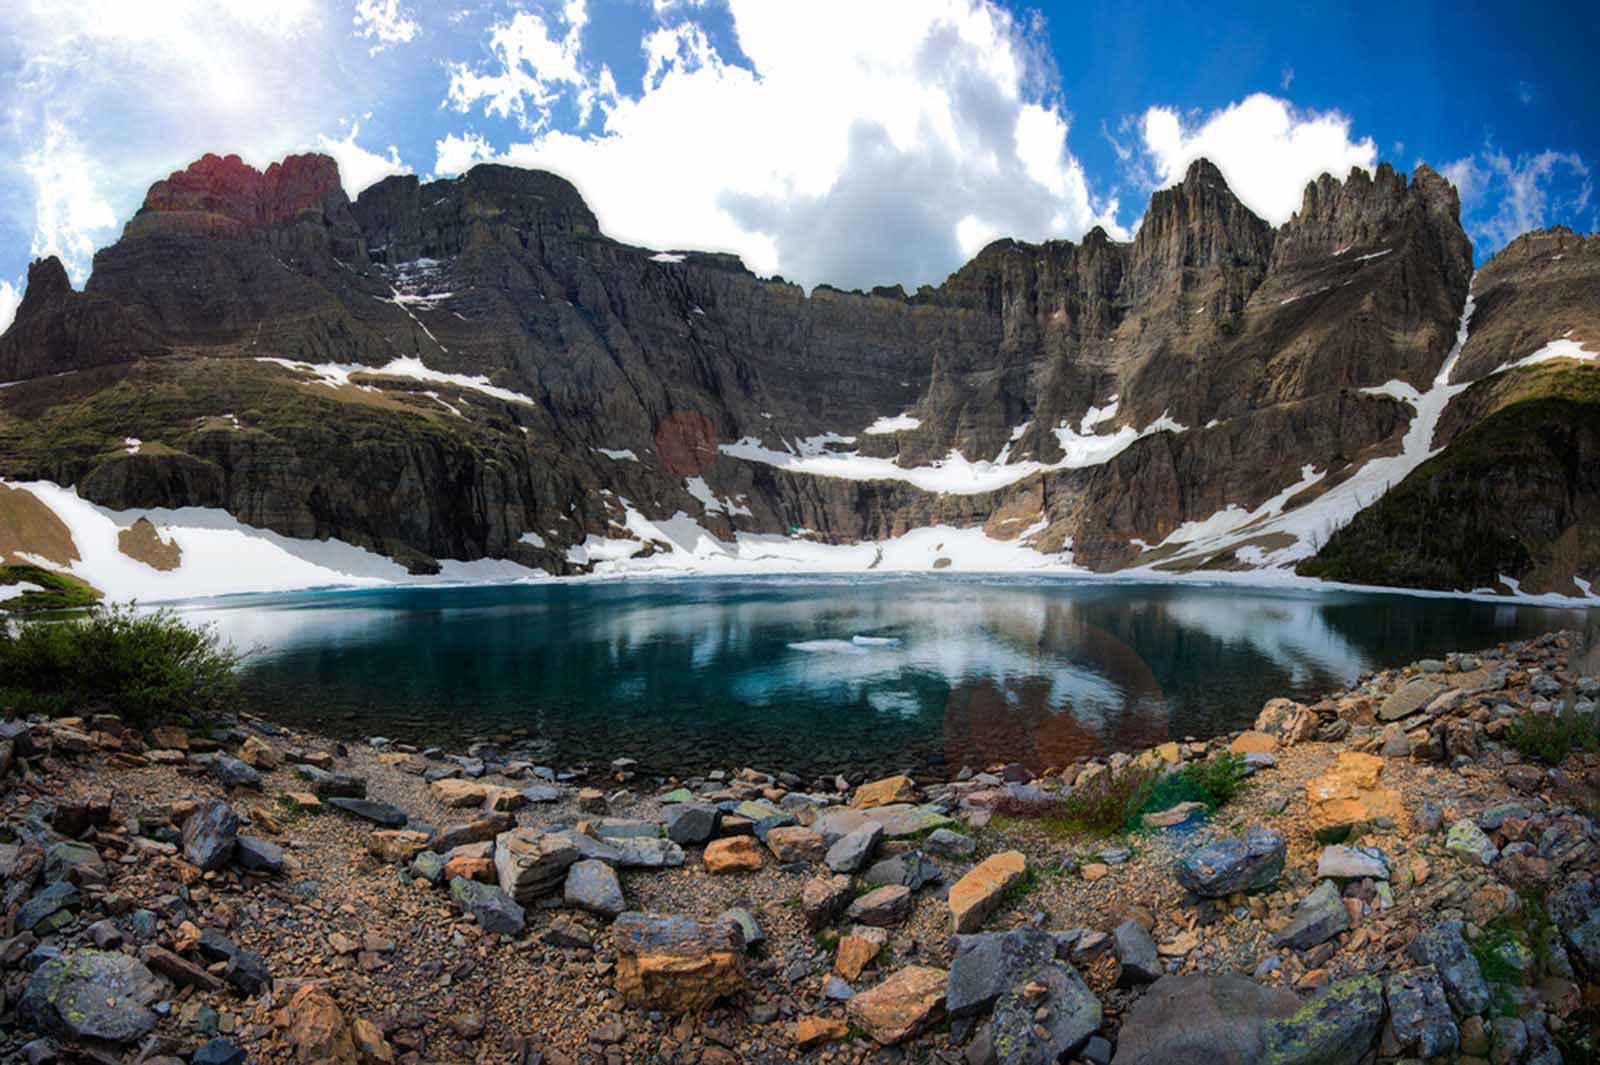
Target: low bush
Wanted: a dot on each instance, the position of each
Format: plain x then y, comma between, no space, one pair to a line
1131,794
142,665
1551,737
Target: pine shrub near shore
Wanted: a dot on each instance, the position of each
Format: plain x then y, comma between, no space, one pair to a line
147,666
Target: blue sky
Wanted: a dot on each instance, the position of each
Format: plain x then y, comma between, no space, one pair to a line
826,140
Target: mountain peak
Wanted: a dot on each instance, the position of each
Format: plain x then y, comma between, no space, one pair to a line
218,193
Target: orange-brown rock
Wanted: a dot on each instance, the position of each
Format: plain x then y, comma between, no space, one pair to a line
734,854
470,867
811,1031
1253,742
674,963
318,1029
884,792
906,1003
792,843
974,896
396,844
1349,794
854,954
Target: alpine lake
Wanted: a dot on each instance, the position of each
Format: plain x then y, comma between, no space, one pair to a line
830,673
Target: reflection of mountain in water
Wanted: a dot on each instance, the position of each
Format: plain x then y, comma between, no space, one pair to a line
681,673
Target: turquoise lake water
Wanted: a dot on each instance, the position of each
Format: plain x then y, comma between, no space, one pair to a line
827,674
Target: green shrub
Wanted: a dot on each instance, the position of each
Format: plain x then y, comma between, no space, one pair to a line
1551,737
144,665
1132,794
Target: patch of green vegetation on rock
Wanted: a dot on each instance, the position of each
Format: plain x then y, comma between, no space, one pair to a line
1517,494
51,590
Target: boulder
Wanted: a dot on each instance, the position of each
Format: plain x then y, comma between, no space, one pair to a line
1228,865
396,844
1342,862
49,908
231,772
1469,844
318,1029
988,964
531,863
1410,698
257,855
380,813
1349,794
974,897
675,963
593,885
1253,742
1320,916
733,854
795,844
853,954
944,842
657,853
74,861
910,870
259,754
824,898
1443,946
690,824
494,909
1419,1014
1137,958
1047,1016
855,848
882,907
91,994
901,1006
210,835
480,830
247,971
1200,1018
896,789
1338,1025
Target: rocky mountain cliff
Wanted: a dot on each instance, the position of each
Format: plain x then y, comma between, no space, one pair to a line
469,369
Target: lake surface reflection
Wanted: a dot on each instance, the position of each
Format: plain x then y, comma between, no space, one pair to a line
825,674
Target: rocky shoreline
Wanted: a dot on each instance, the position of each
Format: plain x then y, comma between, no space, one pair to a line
1394,882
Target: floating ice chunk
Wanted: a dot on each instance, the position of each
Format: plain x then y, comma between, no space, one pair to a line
875,641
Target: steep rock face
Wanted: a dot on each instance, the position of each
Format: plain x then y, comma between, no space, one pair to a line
1542,287
513,350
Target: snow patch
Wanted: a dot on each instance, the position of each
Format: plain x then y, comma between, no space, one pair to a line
618,454
1095,415
131,445
666,257
12,591
337,375
898,424
531,538
1373,255
1556,349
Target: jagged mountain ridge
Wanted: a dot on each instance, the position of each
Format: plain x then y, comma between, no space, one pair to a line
1257,342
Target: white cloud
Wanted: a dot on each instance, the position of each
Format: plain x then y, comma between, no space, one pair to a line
71,217
1502,198
531,69
10,299
1266,148
876,155
384,23
455,153
107,96
358,167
